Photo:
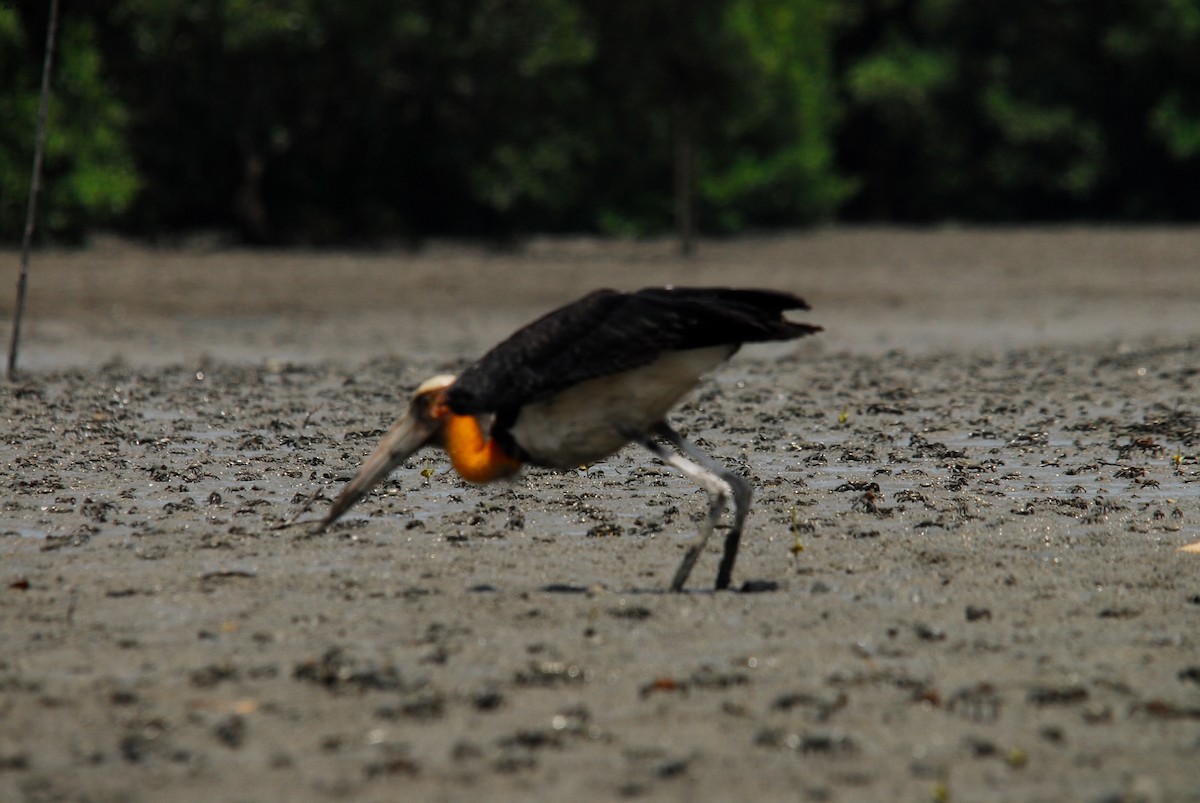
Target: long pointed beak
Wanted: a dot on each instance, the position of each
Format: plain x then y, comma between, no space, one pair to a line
405,437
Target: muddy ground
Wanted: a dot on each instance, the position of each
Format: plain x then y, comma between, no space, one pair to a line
961,579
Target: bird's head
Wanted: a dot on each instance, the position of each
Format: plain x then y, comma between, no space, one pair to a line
421,425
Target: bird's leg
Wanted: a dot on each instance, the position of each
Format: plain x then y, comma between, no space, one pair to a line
741,498
718,492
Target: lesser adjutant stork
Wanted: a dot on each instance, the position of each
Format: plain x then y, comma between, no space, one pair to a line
578,384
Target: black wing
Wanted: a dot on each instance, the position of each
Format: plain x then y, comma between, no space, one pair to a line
607,332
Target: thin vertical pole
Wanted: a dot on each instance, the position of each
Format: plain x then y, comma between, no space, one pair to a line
35,181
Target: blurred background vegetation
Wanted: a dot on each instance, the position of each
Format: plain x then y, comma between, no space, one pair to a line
321,122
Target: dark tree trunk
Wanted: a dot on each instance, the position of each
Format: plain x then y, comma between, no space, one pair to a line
685,178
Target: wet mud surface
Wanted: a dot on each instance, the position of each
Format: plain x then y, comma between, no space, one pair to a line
961,577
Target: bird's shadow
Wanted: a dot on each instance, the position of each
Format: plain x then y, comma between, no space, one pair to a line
747,587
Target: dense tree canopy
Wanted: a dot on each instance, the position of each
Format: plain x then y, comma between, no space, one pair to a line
305,121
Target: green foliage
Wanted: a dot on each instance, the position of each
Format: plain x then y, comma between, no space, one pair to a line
88,174
297,121
1023,111
778,165
303,121
900,76
1029,130
1177,126
1171,38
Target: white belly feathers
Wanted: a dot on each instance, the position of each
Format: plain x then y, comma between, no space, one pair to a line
593,419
